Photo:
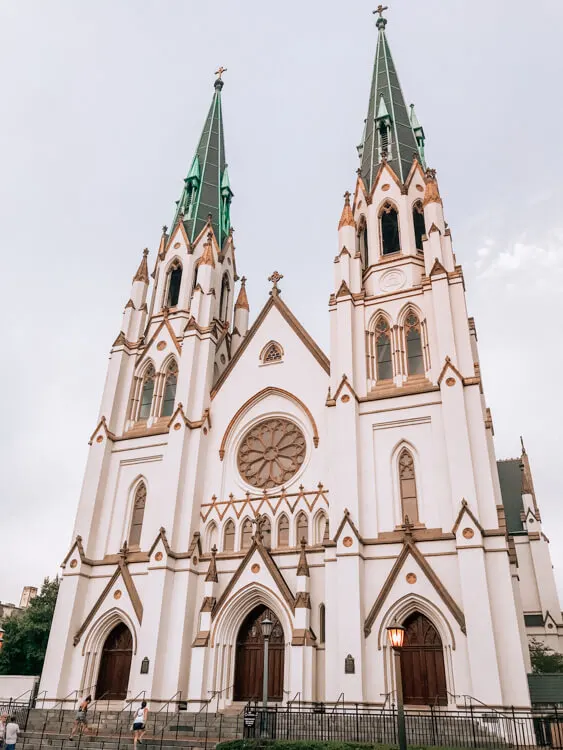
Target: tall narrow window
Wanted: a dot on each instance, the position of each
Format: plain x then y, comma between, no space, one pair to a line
229,537
246,538
138,515
419,226
224,299
322,623
147,393
211,536
390,229
169,396
302,529
283,532
266,529
321,528
384,141
415,360
384,363
407,481
174,282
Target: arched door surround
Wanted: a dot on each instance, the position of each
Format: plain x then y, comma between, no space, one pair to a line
249,662
422,663
115,664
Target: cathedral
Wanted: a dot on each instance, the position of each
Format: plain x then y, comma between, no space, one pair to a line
238,473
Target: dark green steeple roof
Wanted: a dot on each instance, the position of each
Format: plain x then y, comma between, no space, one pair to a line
206,188
388,126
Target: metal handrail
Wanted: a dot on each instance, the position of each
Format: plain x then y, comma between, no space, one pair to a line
292,701
168,702
217,693
337,702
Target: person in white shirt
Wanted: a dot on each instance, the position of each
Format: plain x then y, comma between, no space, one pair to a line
12,732
139,724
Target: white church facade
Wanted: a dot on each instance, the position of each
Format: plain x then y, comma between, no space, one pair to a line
238,472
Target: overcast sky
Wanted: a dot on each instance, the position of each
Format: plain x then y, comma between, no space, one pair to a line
102,106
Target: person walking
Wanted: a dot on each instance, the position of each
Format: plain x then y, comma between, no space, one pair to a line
81,721
3,720
139,724
12,732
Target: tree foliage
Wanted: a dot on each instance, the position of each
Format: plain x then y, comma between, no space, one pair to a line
26,633
544,659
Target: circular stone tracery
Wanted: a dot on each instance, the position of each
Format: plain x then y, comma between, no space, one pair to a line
271,453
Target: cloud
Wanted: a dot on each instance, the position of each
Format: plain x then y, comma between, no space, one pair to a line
523,264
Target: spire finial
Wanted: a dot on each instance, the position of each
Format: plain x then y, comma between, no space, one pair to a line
219,83
347,218
273,279
143,270
381,22
242,299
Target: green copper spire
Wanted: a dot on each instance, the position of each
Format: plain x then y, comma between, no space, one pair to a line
388,130
207,190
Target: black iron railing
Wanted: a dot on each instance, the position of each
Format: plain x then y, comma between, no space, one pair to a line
469,727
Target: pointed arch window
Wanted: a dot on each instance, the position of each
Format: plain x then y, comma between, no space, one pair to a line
407,483
224,299
384,362
246,537
169,395
266,530
419,225
211,537
322,623
229,537
147,393
272,353
384,141
174,283
390,242
283,532
413,336
138,515
302,528
321,528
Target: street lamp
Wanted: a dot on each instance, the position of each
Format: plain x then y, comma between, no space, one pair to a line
396,635
266,626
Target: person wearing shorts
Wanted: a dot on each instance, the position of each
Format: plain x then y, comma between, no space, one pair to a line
139,724
81,721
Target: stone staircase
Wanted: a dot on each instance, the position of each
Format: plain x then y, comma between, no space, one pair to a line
111,730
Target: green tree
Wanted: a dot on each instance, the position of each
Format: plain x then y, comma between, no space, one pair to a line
26,634
544,659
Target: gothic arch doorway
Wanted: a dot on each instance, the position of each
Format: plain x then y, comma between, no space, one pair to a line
249,663
115,664
422,663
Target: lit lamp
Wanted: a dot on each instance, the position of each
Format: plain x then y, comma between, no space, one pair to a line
396,636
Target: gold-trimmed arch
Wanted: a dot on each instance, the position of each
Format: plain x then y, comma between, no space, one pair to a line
269,391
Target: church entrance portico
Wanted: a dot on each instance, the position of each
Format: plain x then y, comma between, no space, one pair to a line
249,658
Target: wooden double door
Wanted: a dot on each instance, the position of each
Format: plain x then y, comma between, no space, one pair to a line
115,664
249,662
422,663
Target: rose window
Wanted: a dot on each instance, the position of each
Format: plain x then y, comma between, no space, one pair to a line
271,453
